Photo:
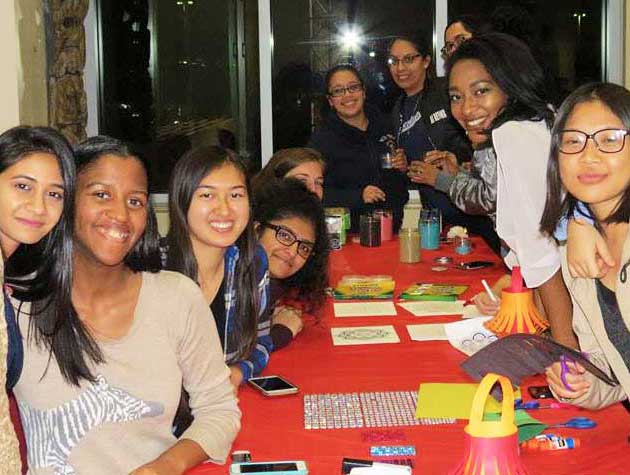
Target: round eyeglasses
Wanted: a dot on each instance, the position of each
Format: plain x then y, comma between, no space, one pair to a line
286,237
406,60
350,89
606,140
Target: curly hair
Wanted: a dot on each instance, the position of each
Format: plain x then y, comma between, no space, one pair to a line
289,198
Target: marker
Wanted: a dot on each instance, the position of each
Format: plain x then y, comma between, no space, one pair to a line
489,291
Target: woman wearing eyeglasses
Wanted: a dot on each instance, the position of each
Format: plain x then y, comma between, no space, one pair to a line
460,29
425,129
590,163
211,240
291,228
352,139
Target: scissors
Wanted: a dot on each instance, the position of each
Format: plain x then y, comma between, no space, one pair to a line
577,423
565,370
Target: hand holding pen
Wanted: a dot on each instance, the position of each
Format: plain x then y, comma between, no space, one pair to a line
487,302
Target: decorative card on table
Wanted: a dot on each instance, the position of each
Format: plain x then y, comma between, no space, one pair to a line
371,335
364,309
429,309
444,292
427,332
469,336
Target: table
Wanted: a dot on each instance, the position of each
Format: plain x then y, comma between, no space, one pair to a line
273,427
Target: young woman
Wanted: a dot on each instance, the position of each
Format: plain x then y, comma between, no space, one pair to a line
36,193
460,29
304,164
498,95
103,381
211,240
352,140
292,230
426,130
590,163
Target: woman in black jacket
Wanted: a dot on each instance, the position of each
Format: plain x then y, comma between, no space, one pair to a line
352,140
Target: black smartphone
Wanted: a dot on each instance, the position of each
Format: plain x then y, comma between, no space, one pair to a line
472,265
540,392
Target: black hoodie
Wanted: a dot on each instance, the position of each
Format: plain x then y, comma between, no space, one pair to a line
353,162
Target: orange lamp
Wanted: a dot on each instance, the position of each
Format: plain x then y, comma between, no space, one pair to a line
518,312
491,446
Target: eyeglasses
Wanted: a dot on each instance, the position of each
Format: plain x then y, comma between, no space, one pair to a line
449,46
287,238
606,140
350,89
406,60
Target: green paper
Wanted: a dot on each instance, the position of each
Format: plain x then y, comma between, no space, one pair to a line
528,427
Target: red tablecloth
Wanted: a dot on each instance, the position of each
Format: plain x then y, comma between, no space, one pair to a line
273,427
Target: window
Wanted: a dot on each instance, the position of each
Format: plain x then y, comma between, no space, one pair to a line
179,73
311,36
564,35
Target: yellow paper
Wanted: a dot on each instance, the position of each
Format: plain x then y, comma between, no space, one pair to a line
452,400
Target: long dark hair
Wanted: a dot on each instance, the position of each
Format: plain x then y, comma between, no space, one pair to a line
473,24
560,203
289,198
69,341
514,69
42,272
189,171
422,41
285,160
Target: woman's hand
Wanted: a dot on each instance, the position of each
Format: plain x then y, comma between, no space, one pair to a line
372,194
289,317
158,467
399,160
485,305
588,255
445,161
423,173
575,378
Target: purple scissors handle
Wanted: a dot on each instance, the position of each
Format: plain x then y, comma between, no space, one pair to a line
564,371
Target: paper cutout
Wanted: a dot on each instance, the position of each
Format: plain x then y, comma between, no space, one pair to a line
364,309
364,335
429,309
469,336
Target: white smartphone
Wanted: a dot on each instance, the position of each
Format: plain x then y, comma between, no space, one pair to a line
293,467
273,385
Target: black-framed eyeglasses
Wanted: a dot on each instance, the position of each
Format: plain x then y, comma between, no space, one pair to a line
606,140
406,60
451,46
350,89
286,237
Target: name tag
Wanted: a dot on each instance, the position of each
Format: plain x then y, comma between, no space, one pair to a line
438,115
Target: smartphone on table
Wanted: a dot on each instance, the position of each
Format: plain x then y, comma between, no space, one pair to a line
540,392
293,467
273,386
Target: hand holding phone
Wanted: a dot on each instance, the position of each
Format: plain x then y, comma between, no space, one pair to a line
273,386
294,467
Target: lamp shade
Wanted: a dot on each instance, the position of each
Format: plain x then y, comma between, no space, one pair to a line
491,447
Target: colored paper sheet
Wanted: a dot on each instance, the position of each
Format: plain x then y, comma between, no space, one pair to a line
528,427
450,400
364,309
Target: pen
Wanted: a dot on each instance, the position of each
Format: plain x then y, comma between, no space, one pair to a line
489,291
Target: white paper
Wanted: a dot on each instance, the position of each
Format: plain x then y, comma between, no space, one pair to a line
364,309
469,336
471,311
429,308
364,335
427,332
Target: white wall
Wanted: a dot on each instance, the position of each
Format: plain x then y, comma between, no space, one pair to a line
9,79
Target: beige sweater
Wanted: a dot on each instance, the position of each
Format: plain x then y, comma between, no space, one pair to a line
10,463
123,419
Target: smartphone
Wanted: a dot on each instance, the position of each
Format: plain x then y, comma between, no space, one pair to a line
540,392
294,467
475,265
273,386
